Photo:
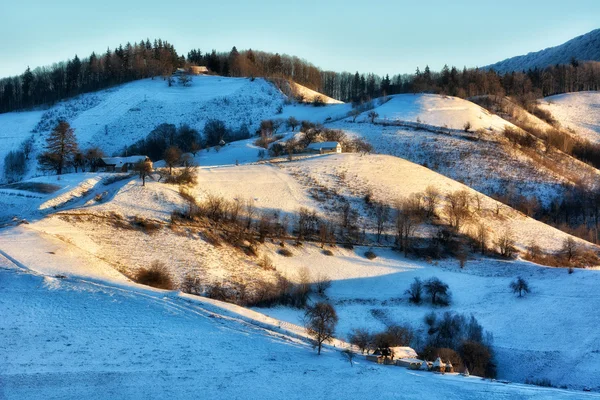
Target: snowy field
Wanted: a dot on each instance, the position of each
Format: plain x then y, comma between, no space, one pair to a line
578,112
67,338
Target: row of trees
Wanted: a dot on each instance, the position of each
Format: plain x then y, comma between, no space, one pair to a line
185,138
149,59
44,85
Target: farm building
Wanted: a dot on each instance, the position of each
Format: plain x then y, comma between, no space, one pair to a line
324,147
410,363
438,366
198,70
120,164
392,355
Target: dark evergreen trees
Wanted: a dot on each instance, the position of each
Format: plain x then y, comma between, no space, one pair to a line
61,147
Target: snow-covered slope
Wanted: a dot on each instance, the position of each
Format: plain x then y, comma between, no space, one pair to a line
577,112
582,48
391,179
66,338
297,91
436,110
483,161
114,118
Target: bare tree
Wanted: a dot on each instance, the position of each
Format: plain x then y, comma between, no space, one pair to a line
322,283
92,157
320,322
276,124
144,169
534,250
438,291
506,244
570,248
172,156
250,211
482,237
27,146
292,123
372,115
15,165
519,286
408,218
361,338
349,355
185,80
432,199
415,291
457,208
195,147
381,214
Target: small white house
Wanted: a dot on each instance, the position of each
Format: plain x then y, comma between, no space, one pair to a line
325,147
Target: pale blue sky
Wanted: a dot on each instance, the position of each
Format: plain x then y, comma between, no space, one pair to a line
381,36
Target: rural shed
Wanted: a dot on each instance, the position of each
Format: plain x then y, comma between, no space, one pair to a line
325,147
198,70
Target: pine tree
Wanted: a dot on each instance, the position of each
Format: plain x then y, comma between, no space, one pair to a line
61,147
27,87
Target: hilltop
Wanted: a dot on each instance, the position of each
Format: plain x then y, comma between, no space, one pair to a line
582,48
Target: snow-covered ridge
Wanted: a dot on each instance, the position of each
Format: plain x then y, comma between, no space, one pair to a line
582,48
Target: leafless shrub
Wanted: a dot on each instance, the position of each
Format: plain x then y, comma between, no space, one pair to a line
191,285
458,208
146,225
285,252
322,283
370,255
361,338
157,275
266,263
506,244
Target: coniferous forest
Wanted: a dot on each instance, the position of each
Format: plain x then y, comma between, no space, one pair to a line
146,59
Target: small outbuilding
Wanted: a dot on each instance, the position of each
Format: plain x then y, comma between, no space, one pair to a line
324,147
438,365
410,363
120,164
375,358
198,70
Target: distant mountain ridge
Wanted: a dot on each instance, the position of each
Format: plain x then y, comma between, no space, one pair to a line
584,48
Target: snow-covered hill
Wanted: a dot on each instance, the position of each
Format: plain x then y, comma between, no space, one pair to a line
71,338
114,118
577,112
429,130
439,111
582,48
88,242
